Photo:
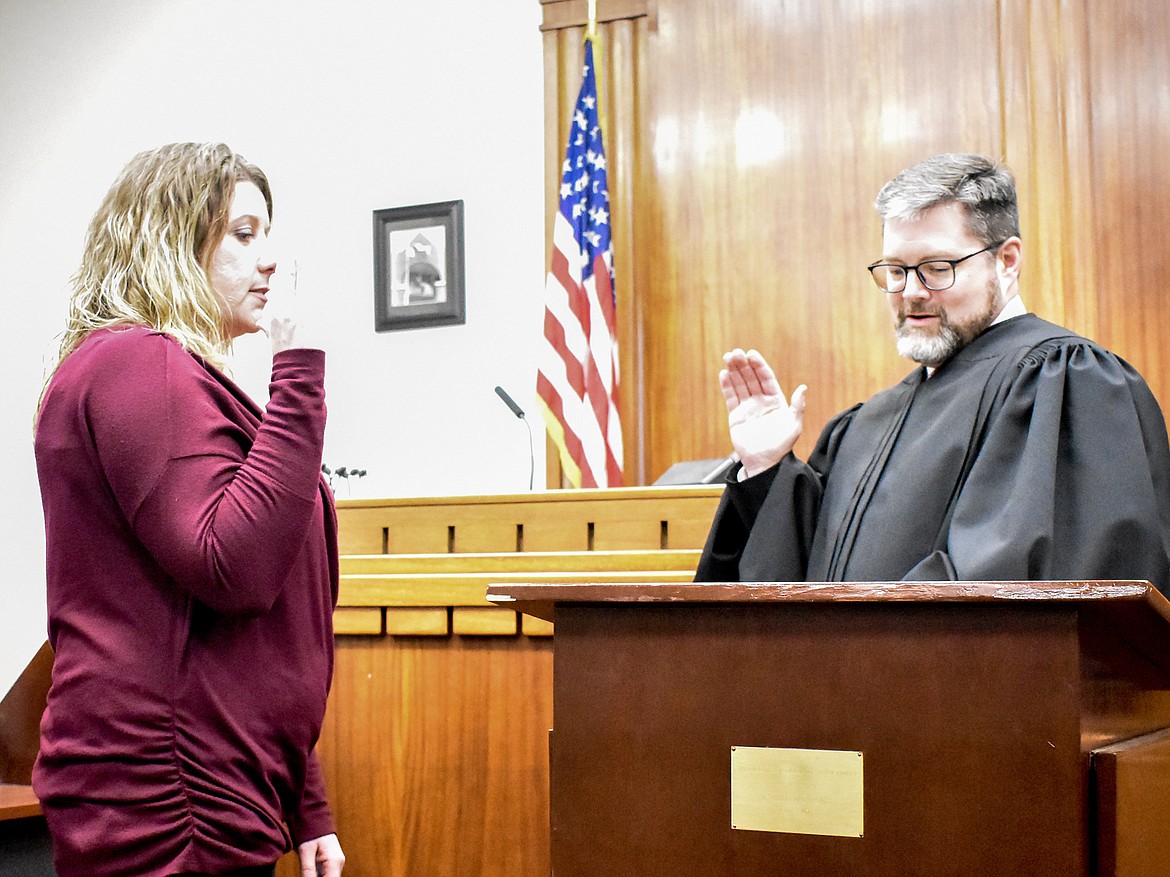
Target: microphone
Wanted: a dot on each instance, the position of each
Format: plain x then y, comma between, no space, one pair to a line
519,412
510,402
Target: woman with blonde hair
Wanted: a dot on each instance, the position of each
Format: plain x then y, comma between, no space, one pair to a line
191,544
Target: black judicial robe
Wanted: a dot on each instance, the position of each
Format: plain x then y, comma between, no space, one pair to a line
1031,454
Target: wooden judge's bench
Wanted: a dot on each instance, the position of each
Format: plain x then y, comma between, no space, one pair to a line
969,728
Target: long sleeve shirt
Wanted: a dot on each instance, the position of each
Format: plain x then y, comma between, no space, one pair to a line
191,575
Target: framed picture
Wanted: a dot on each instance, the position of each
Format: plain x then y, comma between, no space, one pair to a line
418,266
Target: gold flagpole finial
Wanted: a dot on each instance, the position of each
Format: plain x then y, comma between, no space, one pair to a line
592,30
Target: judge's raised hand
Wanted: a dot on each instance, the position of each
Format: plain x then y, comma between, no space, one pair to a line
764,426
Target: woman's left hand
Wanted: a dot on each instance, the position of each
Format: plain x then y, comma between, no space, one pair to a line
321,857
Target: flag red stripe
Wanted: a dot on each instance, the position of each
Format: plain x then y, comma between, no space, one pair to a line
578,300
605,294
554,333
573,445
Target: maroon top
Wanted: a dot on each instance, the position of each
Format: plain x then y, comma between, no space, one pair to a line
192,575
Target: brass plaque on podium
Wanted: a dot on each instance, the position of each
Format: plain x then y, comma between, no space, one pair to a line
797,791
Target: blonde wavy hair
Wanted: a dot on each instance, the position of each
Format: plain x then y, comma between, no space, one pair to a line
150,243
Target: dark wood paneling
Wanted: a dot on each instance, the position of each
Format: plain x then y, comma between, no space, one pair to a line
986,782
975,706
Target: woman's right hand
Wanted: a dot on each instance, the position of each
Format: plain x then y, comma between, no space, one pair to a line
764,426
287,308
282,332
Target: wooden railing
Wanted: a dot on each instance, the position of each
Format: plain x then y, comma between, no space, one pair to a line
443,594
555,520
422,566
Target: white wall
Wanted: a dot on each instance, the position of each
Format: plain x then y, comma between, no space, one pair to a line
349,107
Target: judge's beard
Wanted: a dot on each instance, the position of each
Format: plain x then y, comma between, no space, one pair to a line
933,350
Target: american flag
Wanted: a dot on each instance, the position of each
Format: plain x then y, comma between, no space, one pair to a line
577,381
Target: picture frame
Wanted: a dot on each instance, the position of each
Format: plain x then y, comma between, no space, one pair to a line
418,266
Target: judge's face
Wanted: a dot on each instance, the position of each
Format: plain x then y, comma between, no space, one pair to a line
932,325
242,265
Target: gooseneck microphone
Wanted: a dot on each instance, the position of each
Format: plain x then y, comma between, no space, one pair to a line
510,402
519,412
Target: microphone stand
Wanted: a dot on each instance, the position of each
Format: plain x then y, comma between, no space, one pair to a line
531,453
519,412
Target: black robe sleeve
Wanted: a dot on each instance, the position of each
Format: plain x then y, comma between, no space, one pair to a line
1073,480
764,526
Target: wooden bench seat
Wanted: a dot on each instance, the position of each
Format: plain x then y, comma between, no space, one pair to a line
18,802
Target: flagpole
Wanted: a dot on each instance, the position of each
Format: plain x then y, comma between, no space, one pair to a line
591,35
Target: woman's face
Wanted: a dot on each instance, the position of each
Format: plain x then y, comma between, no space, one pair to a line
242,264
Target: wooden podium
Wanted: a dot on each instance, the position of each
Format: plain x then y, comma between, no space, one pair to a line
857,729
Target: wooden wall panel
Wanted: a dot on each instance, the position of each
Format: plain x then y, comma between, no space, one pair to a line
420,787
777,124
1046,133
761,132
1128,80
398,706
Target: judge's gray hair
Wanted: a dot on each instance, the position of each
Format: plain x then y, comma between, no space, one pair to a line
985,187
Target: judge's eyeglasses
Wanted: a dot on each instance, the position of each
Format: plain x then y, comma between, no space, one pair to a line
934,274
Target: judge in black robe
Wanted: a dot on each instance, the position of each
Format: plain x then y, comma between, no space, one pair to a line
1032,454
1017,451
